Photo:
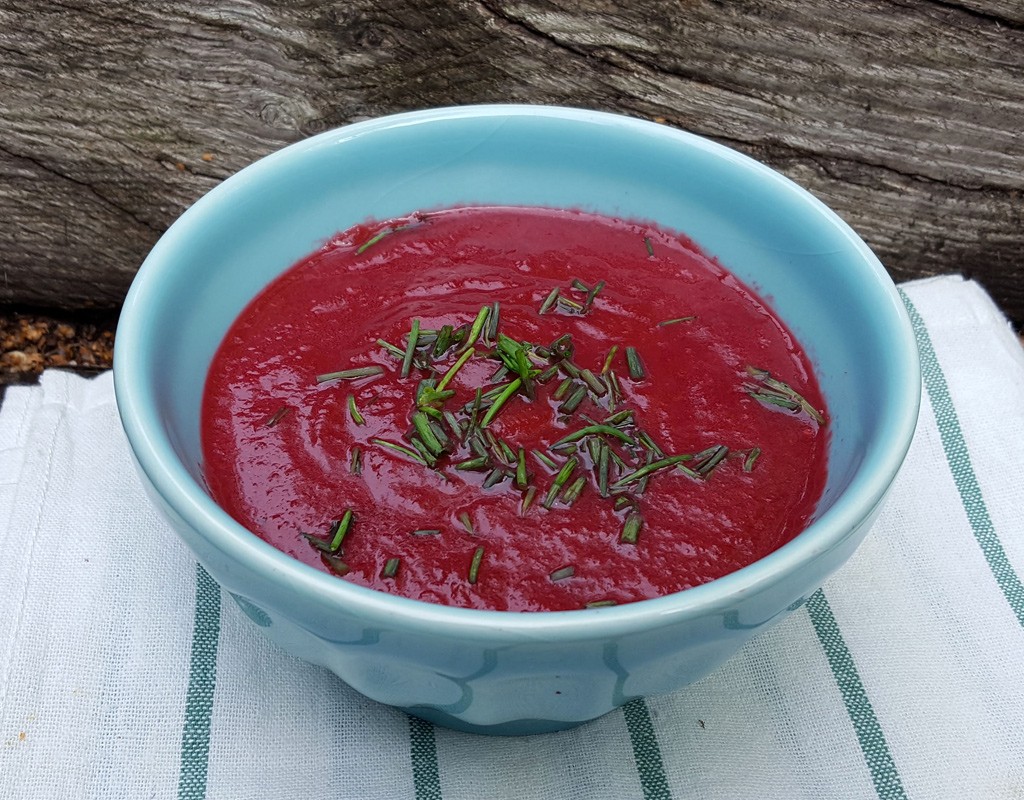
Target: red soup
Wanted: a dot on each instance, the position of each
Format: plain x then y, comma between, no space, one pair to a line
518,409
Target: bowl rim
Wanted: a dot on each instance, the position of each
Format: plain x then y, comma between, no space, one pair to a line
155,455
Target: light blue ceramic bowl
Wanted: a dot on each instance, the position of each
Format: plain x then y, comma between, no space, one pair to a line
502,672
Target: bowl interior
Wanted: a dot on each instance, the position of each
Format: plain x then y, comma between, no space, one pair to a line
817,274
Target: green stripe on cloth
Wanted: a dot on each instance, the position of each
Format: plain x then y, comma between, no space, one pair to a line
884,775
959,461
202,680
646,751
426,778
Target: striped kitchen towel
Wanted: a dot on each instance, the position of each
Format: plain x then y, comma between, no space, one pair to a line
125,673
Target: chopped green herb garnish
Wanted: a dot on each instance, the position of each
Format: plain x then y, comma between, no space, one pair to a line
350,374
516,358
711,459
430,411
425,452
480,462
649,444
340,529
381,234
595,385
571,495
562,573
491,394
460,333
569,368
453,424
524,506
566,472
608,359
595,430
561,348
373,240
781,394
405,451
493,443
474,412
614,389
429,396
636,367
443,341
438,431
479,446
591,294
774,399
335,536
277,416
545,375
549,301
334,564
321,544
648,469
474,565
665,322
507,455
692,473
631,529
353,411
491,334
574,400
427,433
397,352
477,327
602,469
600,604
464,433
616,458
620,417
641,485
499,374
410,348
522,477
569,305
500,401
545,459
649,246
563,387
494,477
560,480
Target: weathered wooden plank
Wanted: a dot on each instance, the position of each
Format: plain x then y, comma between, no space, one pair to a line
904,117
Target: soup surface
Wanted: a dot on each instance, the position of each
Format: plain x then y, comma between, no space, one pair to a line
516,409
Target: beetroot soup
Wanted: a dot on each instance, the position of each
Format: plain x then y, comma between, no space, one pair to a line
517,409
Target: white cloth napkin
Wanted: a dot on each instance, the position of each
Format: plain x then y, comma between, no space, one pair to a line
124,673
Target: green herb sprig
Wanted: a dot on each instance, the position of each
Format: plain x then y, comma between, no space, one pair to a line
774,392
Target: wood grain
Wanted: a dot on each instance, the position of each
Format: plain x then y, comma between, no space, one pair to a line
905,117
